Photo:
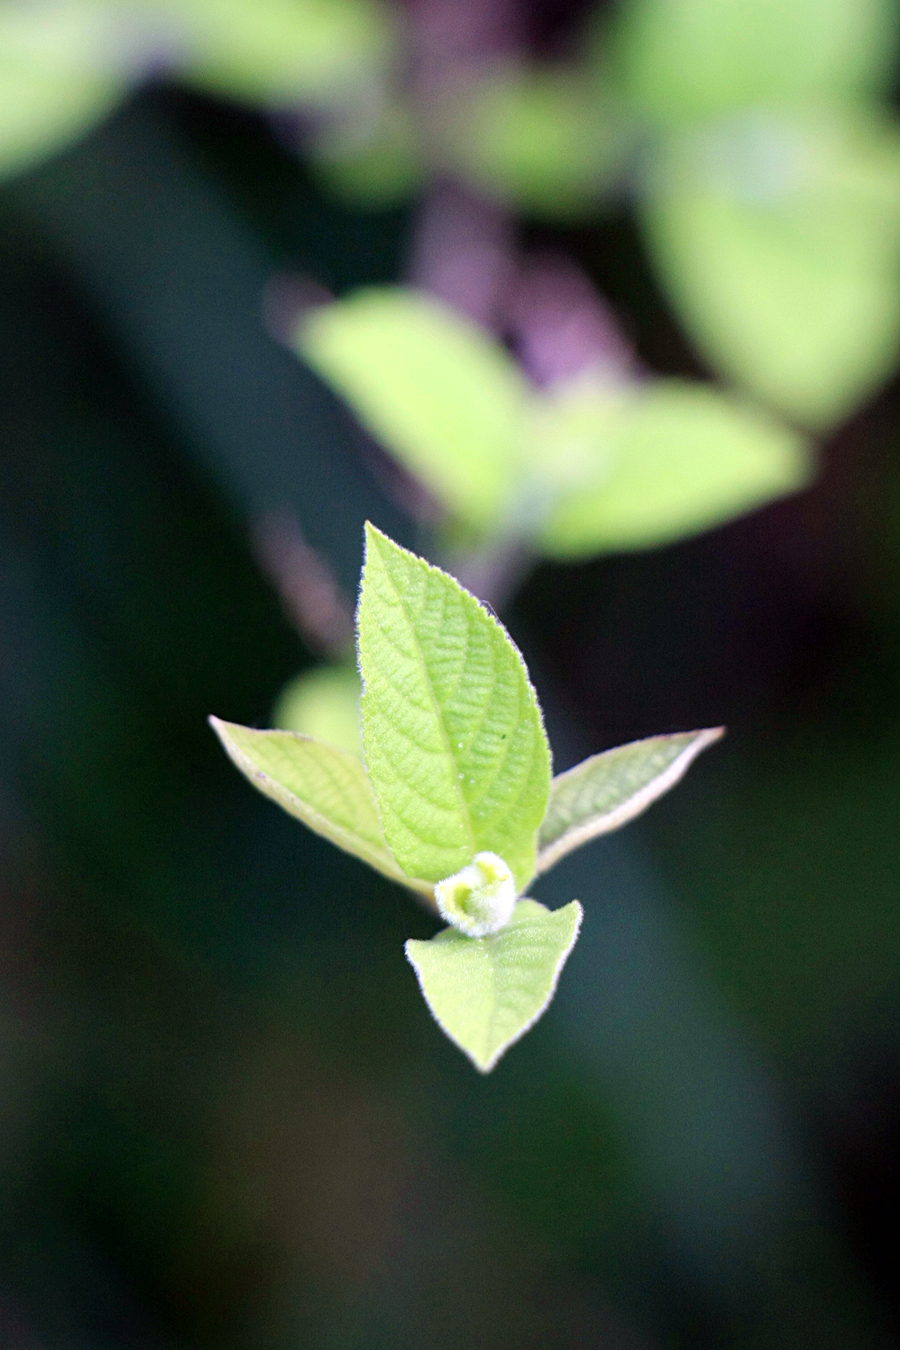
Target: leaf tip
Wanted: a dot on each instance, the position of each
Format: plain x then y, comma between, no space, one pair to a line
218,726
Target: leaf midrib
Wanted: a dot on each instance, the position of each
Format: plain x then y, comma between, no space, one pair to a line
470,833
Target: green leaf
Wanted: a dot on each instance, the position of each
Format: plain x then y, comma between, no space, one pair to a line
452,733
324,704
607,790
543,139
279,51
438,393
649,464
692,58
320,785
374,166
486,992
779,242
60,73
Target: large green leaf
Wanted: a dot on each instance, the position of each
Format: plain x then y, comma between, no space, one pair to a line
653,463
779,241
607,790
439,394
486,992
320,785
692,58
452,733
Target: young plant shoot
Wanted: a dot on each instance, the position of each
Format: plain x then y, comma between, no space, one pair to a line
454,796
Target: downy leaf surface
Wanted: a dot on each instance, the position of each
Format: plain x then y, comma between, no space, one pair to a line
322,786
486,992
453,739
607,790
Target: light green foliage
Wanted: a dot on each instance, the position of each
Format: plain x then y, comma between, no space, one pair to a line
681,59
323,703
486,992
322,786
58,75
779,238
65,63
657,462
278,51
452,733
606,791
588,467
438,393
453,796
544,139
369,162
771,194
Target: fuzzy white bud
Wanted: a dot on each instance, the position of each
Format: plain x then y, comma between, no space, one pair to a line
479,899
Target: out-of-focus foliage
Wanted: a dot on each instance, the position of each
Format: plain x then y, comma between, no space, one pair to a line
435,390
772,189
689,60
791,282
64,63
550,141
587,467
756,136
324,703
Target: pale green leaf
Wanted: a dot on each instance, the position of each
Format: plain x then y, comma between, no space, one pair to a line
373,165
324,704
320,785
452,734
544,139
41,111
282,51
779,242
655,462
692,58
436,391
607,790
60,72
487,992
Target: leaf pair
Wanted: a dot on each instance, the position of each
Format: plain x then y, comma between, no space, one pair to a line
455,796
587,468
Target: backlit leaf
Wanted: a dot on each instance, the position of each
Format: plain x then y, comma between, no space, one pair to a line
682,59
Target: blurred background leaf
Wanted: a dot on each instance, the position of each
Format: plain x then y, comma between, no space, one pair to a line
779,238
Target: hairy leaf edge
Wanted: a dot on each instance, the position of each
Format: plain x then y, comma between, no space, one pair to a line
373,533
319,824
621,815
526,1027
